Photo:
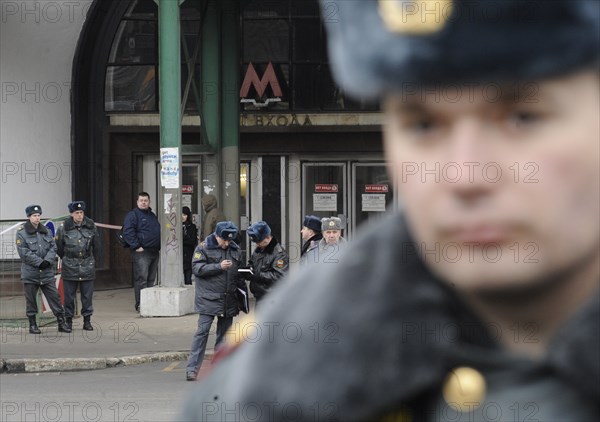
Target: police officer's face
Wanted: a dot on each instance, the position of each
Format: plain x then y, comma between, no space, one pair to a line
223,244
143,202
332,236
306,233
77,216
501,193
35,219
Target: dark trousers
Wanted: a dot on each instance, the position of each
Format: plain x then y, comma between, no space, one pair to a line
201,337
87,290
187,276
49,290
145,266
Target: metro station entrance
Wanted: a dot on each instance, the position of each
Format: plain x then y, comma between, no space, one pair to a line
356,192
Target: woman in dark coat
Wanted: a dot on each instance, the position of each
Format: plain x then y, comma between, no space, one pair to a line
190,240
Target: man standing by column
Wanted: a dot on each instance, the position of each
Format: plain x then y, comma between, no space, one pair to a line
78,244
141,231
37,250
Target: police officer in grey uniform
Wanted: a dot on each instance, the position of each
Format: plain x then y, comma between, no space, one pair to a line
78,244
480,300
214,265
37,250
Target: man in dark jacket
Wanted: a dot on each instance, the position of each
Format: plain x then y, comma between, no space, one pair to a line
269,261
141,231
189,233
311,233
480,300
215,265
78,244
37,250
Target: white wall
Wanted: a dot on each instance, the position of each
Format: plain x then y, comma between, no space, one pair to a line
37,46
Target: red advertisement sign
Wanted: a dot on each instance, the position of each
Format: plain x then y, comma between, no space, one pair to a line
376,189
324,188
187,189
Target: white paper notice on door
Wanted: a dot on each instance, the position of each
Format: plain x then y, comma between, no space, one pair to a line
325,202
373,202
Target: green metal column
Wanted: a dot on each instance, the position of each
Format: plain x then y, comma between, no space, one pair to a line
211,99
171,262
230,133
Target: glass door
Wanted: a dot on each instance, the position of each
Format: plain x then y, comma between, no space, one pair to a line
372,192
324,190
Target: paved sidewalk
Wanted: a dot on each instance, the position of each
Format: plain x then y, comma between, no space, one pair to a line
120,337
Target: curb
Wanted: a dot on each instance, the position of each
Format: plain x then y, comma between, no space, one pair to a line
14,366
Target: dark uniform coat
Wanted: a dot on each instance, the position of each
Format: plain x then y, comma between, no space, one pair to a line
215,287
34,246
376,337
269,265
78,246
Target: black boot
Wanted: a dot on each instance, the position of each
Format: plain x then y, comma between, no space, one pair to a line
63,327
69,322
87,324
33,327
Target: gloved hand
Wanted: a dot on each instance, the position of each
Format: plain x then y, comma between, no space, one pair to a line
44,265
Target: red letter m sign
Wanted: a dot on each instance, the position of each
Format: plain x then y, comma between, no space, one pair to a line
260,85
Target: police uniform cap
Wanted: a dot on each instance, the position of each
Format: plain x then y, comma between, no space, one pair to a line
226,230
394,45
76,206
259,231
33,209
312,222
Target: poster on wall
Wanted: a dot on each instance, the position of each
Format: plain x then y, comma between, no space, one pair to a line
325,197
325,201
186,201
373,200
169,168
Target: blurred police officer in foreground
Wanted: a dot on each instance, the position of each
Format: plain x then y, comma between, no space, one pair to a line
481,300
78,245
37,250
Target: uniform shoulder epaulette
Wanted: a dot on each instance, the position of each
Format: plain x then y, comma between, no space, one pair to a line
20,228
202,244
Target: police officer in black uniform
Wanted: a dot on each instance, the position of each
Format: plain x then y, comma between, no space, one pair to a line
269,261
480,300
37,250
78,244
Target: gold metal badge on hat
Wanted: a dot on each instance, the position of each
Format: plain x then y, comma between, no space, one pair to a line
415,17
464,389
331,223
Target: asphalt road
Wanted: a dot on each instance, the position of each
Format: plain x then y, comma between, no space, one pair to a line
151,392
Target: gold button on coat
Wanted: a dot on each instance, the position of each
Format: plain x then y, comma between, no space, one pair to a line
464,389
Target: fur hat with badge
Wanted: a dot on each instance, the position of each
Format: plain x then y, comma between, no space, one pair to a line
331,223
76,206
226,230
258,231
33,209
